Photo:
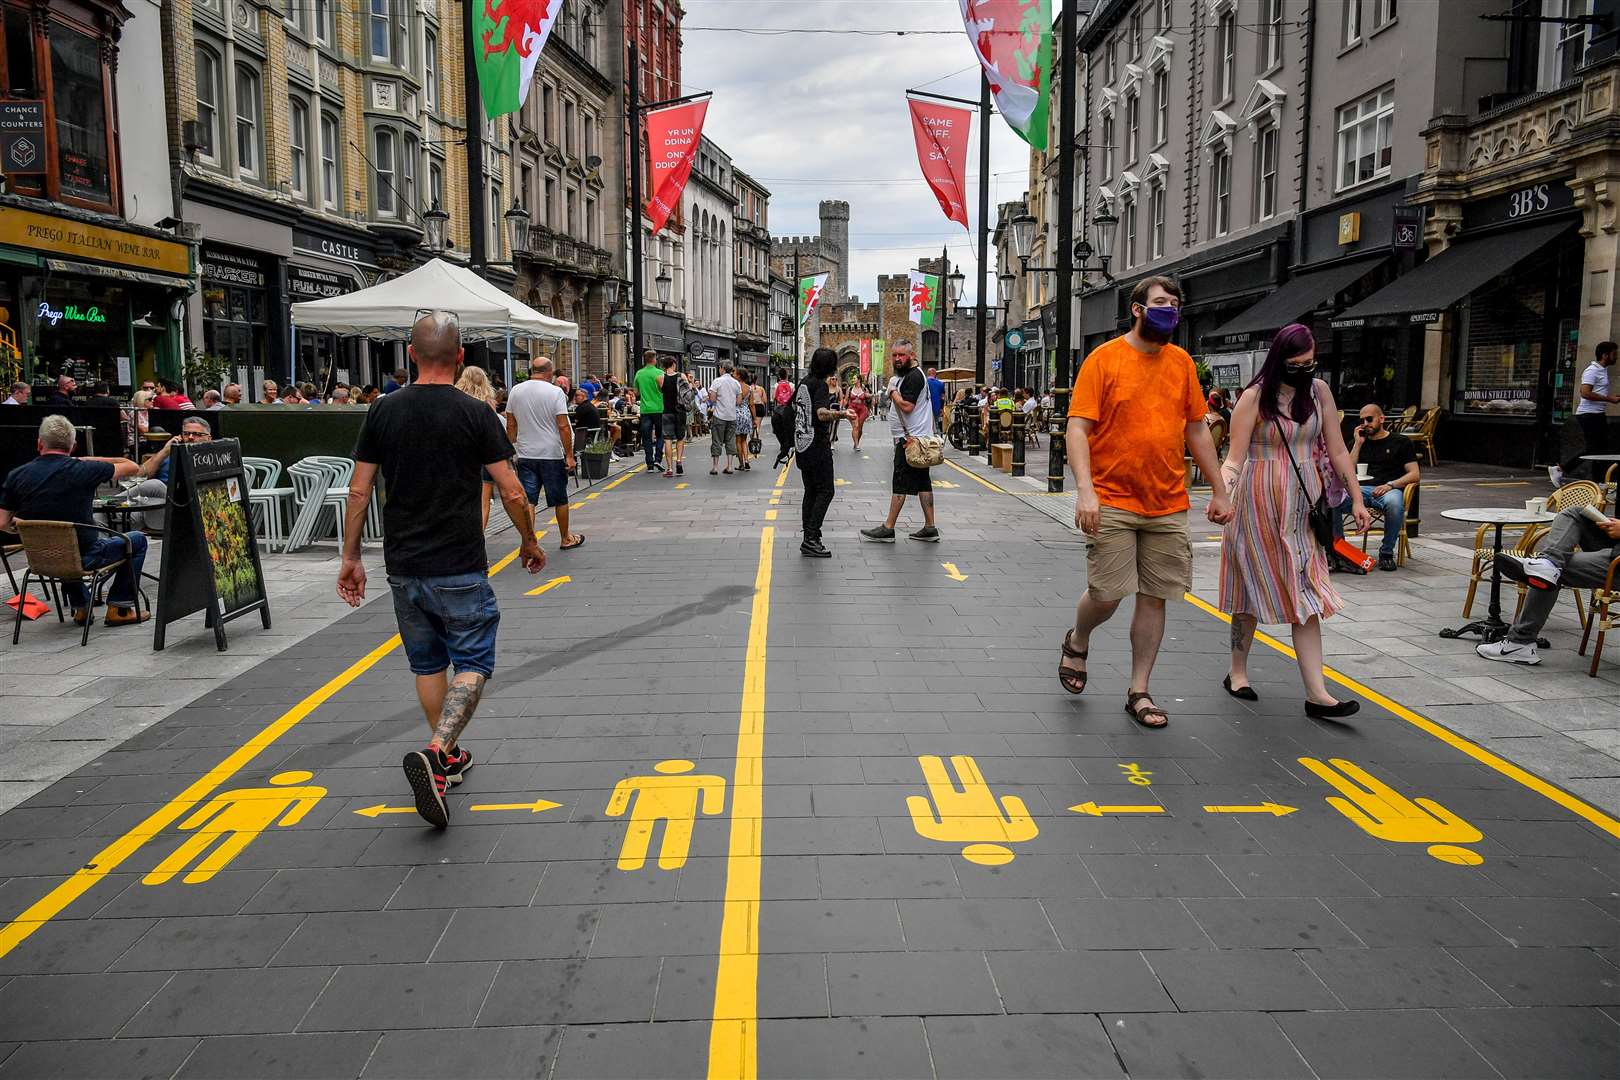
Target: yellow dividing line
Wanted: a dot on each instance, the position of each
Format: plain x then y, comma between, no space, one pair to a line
976,476
734,1033
770,515
781,477
623,478
1446,735
548,586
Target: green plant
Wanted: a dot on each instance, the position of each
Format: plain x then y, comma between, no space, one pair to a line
600,446
1204,376
204,372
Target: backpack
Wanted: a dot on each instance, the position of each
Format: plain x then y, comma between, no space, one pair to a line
804,420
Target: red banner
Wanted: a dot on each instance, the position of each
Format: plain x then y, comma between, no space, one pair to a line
866,357
672,148
942,133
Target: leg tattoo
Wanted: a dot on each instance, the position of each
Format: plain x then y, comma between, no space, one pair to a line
459,703
1243,627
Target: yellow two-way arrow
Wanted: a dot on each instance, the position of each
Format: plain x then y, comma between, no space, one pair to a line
374,811
952,572
1274,809
534,808
548,586
1093,810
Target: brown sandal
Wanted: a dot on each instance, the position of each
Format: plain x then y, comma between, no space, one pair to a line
1073,681
1140,715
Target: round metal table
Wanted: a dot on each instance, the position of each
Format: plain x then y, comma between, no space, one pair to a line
1492,628
119,508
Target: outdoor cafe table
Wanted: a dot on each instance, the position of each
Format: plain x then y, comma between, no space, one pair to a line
1492,628
121,509
1604,459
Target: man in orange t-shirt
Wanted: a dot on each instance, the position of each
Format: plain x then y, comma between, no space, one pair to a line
1136,409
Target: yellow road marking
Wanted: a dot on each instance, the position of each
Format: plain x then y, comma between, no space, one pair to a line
593,495
775,500
534,808
622,479
681,487
770,515
1485,757
1274,809
672,797
965,811
781,477
952,572
548,586
1091,809
576,506
976,476
383,808
734,1034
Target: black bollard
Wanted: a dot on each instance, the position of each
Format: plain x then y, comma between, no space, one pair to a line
1056,461
1019,420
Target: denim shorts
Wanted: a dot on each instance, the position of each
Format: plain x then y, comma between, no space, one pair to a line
547,474
447,620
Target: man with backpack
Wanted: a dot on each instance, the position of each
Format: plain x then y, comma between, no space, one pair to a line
782,417
814,412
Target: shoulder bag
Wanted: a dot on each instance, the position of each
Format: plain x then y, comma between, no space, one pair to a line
1320,515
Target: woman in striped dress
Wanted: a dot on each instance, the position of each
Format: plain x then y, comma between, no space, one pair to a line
1272,568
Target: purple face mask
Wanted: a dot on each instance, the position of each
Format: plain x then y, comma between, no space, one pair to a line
1162,320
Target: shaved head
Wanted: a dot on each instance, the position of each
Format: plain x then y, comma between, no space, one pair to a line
436,340
541,366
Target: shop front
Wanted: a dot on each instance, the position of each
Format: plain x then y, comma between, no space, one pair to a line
89,299
238,308
322,266
705,352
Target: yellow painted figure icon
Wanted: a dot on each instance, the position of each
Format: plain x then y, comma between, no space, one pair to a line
671,797
234,819
969,812
1388,815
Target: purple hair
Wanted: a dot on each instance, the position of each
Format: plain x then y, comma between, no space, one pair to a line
1293,340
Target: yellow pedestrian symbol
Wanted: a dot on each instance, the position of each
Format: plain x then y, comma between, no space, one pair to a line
235,818
1384,813
970,812
671,798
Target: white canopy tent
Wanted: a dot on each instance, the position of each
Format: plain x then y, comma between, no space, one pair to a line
387,311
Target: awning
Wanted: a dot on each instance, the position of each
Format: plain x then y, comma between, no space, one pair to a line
1454,273
1297,296
68,266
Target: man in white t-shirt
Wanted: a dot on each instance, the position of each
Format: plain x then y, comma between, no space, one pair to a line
1591,412
537,423
723,395
912,417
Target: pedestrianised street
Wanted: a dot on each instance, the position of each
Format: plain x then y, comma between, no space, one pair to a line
738,812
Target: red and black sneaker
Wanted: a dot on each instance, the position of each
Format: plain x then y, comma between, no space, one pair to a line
427,772
456,764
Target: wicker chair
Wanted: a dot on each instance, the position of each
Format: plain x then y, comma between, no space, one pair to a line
1403,549
1574,493
1422,436
1601,614
1403,423
1485,559
52,548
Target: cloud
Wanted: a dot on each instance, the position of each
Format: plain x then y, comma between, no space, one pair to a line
816,117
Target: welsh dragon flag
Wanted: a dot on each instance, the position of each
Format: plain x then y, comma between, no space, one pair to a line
810,288
924,299
1013,39
511,34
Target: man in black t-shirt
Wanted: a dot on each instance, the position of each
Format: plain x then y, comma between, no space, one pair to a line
430,440
815,412
1392,467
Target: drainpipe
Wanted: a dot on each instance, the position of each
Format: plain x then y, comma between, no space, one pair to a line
1305,132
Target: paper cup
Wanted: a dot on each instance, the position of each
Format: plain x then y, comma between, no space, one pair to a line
1536,506
1363,472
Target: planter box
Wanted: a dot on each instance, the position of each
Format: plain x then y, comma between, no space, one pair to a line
594,467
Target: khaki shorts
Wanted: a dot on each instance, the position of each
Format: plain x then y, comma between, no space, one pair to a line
1133,554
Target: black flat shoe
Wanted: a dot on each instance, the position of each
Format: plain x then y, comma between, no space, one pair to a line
1343,709
1245,693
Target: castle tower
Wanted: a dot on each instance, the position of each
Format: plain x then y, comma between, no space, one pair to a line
835,239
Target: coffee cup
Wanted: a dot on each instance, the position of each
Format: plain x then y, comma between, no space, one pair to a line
1537,505
1363,472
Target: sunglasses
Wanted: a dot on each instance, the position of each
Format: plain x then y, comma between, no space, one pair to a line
437,313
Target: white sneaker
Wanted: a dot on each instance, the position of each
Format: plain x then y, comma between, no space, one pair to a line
1555,473
1535,571
1509,652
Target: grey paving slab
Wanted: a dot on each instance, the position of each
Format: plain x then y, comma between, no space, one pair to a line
791,985
245,1002
217,941
362,937
1527,1043
1270,923
1542,922
649,1051
788,926
1398,921
516,1053
874,1048
1416,1043
911,984
402,996
282,1057
932,925
1205,1046
43,1007
540,933
1545,976
1020,1046
75,947
1264,980
1399,978
608,990
128,1059
1065,982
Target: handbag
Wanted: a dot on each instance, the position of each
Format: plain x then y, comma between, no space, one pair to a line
925,451
1319,517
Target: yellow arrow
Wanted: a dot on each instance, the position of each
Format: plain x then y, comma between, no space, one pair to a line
945,484
534,807
952,572
548,586
1274,809
1094,810
373,811
678,487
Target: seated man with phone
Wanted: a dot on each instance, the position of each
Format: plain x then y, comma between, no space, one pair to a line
1556,565
1387,465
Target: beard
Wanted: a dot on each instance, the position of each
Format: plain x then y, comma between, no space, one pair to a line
1145,331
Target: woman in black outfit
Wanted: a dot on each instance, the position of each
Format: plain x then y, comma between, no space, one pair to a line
815,412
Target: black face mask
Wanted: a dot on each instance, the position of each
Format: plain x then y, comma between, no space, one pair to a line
1299,378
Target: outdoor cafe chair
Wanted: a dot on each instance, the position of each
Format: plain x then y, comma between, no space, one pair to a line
313,480
1422,436
265,498
1484,560
1405,421
52,548
1403,549
1574,493
339,496
1600,616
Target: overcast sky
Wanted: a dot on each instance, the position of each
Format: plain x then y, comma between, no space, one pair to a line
821,116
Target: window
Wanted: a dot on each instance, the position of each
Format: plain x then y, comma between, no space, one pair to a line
1568,39
590,135
1226,56
588,46
551,201
411,154
208,104
1271,34
1156,201
293,12
1383,13
81,115
1133,128
1220,191
329,161
435,184
548,117
592,234
1127,224
1364,138
568,129
1113,61
1164,15
249,108
1108,146
298,140
430,70
1136,34
1351,24
497,223
526,184
571,202
382,163
382,29
1161,106
1265,173
21,78
325,33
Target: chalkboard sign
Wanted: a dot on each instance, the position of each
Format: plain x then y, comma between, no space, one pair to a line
210,557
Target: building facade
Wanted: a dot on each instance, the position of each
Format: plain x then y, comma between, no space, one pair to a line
827,251
751,284
783,325
92,283
710,282
309,140
567,159
654,28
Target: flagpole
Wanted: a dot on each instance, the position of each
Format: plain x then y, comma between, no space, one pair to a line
980,370
477,205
